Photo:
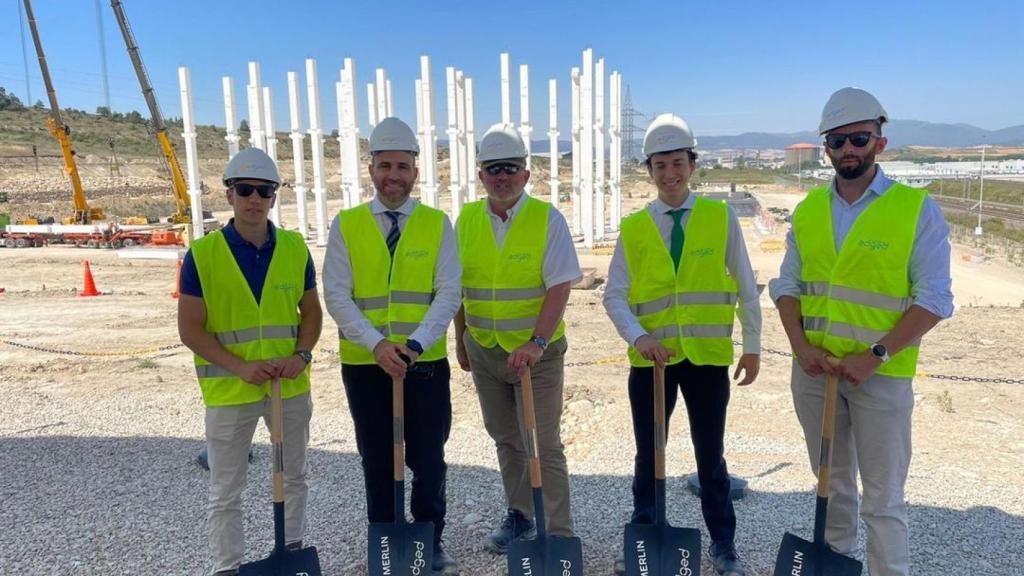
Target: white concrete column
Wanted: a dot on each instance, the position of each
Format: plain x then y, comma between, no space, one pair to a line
428,156
340,112
506,94
577,210
255,91
387,92
460,115
587,147
454,162
615,206
230,120
371,105
316,137
599,180
298,153
270,139
470,143
553,138
420,141
525,129
191,158
382,94
349,128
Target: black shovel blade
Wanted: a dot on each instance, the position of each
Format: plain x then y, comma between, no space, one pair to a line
652,550
400,549
546,556
798,557
304,562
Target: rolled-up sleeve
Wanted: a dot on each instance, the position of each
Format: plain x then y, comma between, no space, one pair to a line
930,281
788,283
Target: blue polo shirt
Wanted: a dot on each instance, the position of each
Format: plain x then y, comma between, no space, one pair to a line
253,261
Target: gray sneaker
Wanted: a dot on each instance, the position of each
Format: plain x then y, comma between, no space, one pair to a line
725,560
443,564
620,564
514,526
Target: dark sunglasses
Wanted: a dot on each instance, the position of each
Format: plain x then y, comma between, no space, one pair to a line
858,139
246,190
506,167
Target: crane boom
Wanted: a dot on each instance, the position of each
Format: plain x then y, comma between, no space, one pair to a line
83,213
182,200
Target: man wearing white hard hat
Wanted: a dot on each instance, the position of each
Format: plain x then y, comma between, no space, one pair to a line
864,278
679,267
391,282
250,312
518,265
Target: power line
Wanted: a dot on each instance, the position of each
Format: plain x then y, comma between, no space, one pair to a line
630,128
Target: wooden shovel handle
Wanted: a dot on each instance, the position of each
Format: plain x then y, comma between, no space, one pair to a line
659,420
828,421
277,439
398,426
530,421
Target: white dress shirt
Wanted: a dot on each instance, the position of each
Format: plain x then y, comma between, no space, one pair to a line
338,283
616,292
560,261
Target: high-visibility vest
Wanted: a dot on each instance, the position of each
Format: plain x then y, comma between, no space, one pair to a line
393,293
690,310
249,330
852,299
503,289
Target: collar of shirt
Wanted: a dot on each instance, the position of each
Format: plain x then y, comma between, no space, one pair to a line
377,207
511,211
235,239
661,207
879,185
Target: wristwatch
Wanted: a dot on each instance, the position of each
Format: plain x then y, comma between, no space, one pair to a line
306,355
879,351
540,341
414,346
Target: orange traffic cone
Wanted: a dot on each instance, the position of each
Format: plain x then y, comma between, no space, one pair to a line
89,288
177,283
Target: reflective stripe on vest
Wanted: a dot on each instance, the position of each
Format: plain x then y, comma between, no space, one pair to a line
853,298
249,330
690,310
394,294
503,288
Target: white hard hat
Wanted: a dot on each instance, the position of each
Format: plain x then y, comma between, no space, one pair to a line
391,134
849,106
251,164
666,133
501,142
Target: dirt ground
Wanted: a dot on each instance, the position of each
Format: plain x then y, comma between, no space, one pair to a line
120,349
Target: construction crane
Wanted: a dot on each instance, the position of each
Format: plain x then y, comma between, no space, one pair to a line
83,213
182,201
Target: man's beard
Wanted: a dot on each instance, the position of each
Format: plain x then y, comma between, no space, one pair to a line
852,172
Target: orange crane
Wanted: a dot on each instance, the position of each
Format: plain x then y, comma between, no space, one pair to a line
83,213
182,200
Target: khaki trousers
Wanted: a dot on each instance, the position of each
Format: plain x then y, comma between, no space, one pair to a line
229,431
872,437
500,396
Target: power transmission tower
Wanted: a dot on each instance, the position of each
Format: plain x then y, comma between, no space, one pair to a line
631,130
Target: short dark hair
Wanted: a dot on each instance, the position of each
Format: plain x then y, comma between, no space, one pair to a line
689,152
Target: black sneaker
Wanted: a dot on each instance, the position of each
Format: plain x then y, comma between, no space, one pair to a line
443,564
514,526
724,558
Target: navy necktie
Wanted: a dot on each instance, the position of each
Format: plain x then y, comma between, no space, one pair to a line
394,232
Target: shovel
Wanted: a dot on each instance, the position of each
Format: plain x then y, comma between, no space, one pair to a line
660,549
545,555
798,557
282,561
399,548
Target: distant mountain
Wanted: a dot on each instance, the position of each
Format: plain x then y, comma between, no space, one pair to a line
899,132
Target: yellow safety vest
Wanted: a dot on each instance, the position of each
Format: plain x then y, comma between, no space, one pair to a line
503,290
249,330
393,294
690,310
852,299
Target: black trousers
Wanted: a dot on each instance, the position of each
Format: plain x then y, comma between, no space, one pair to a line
706,393
428,421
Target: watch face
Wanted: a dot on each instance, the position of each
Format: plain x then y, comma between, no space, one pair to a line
878,350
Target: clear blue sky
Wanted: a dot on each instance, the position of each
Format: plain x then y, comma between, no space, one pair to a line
727,67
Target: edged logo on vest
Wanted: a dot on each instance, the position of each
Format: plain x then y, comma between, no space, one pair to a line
520,257
416,254
284,287
874,245
701,252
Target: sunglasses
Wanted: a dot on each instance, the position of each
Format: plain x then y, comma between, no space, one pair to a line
264,190
858,139
506,167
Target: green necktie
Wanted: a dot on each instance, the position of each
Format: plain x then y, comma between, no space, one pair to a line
676,248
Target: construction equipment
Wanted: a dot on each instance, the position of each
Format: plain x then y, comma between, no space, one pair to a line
182,200
83,213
